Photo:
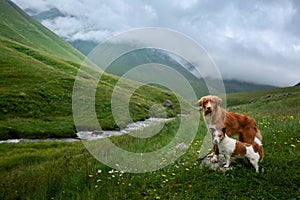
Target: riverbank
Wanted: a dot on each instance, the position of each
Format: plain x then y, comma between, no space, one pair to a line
94,135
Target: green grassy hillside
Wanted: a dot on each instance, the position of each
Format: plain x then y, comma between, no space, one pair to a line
59,170
38,70
279,96
17,26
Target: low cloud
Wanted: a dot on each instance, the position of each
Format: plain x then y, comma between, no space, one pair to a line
257,41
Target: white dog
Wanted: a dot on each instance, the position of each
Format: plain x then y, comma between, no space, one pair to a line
229,146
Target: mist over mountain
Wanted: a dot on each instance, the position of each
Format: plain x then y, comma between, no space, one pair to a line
140,57
49,14
123,65
190,72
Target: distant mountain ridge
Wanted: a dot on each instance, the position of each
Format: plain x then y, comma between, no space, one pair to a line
123,65
49,14
84,47
144,56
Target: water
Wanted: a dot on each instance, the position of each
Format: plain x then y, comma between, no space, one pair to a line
40,140
94,135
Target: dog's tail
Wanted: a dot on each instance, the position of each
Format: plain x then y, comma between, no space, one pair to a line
258,147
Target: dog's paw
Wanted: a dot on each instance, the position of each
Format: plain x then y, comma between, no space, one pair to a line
211,155
214,160
226,166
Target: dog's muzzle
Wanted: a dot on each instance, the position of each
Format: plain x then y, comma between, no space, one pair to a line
207,112
215,141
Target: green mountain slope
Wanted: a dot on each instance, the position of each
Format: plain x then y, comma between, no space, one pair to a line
287,98
38,70
16,25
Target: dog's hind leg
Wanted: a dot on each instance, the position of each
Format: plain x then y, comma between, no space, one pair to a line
254,162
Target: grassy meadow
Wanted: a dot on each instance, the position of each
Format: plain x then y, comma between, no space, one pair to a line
59,170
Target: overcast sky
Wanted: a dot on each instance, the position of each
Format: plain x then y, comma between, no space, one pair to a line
256,41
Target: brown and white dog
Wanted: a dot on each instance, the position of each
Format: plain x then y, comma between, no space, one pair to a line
236,124
229,146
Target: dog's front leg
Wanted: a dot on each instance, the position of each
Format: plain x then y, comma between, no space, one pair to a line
227,160
215,154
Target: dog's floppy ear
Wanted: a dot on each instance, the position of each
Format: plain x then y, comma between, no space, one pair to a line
200,102
212,130
218,101
224,130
